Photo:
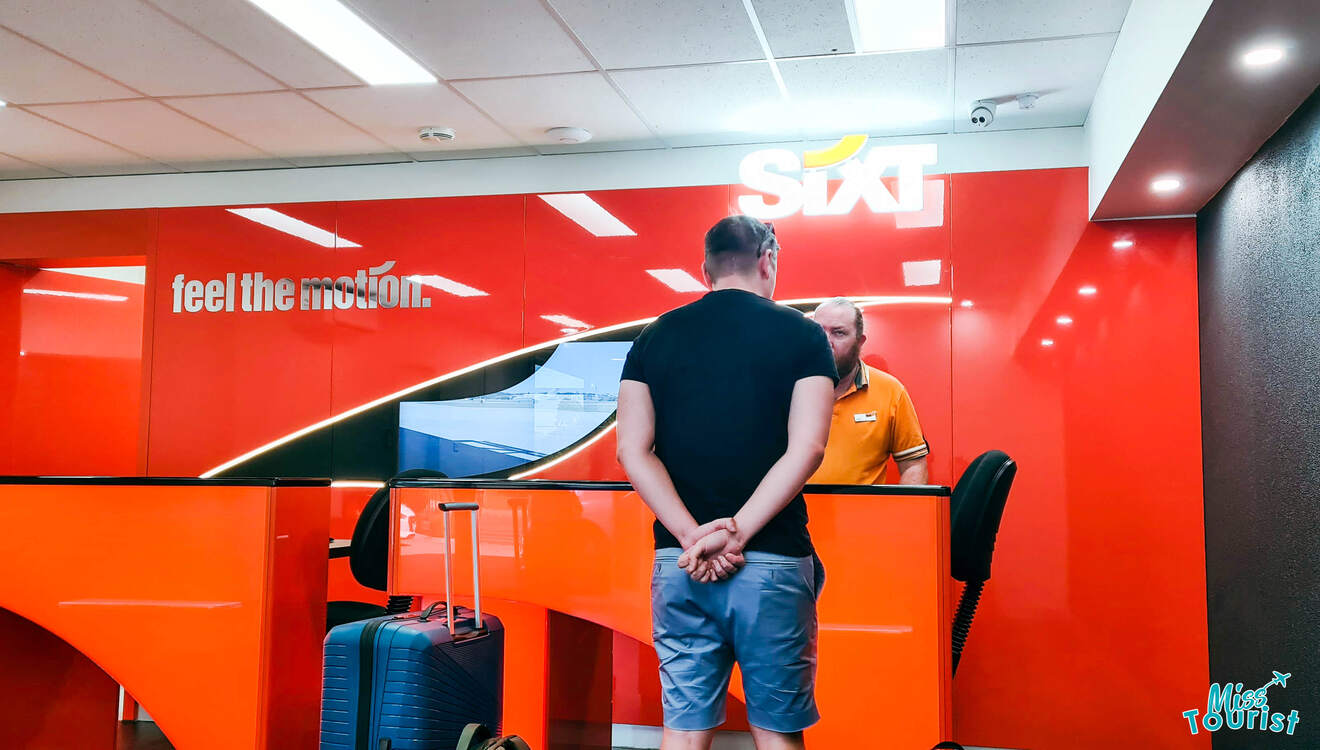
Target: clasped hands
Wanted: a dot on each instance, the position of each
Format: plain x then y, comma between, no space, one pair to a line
712,551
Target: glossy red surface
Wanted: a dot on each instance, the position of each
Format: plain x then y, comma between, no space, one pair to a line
71,372
1100,562
1096,609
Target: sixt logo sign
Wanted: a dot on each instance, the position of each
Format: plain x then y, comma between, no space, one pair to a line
774,171
1228,706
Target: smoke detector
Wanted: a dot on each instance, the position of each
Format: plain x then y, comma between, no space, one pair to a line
1027,101
569,135
438,135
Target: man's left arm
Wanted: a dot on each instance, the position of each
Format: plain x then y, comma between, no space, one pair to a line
910,449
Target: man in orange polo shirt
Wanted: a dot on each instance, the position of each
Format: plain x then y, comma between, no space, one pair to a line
873,414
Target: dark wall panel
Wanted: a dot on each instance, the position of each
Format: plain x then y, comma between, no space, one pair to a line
1259,247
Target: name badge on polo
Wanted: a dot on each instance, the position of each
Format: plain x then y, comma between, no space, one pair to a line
867,417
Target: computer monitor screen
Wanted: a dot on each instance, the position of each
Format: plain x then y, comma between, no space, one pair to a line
565,400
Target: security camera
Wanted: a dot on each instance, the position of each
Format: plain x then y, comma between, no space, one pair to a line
983,113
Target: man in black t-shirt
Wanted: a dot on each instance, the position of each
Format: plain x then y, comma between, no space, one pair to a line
724,410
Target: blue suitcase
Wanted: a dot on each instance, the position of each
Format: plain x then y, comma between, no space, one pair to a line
413,681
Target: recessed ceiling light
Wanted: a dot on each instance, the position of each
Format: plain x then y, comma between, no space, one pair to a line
885,25
1063,320
966,303
1087,291
677,279
447,285
289,225
347,39
1123,244
588,214
1047,342
1166,184
1262,56
3,103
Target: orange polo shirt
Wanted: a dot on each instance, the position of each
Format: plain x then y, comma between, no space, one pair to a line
874,420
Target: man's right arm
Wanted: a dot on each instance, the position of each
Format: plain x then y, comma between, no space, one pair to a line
808,429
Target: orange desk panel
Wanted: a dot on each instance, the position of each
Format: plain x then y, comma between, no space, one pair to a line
206,601
884,661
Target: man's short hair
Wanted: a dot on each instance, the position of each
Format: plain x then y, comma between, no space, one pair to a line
849,304
735,243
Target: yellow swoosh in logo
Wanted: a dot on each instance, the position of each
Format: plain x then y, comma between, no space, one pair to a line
845,149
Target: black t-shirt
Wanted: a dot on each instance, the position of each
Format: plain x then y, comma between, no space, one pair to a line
721,372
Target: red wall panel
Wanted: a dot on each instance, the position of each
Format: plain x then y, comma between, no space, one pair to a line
1096,608
72,370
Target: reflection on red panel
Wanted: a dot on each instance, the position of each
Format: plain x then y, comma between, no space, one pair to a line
1099,565
73,363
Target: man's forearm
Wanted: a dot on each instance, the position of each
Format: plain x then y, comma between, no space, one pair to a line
779,486
651,480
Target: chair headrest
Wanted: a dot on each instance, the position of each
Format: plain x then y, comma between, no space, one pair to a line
369,551
976,509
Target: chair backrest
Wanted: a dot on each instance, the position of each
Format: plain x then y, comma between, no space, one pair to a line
369,550
975,511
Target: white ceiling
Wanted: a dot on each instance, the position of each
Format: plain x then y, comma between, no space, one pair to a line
100,87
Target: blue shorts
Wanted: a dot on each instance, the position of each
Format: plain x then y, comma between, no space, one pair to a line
764,618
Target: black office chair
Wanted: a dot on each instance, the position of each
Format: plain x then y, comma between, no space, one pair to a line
368,557
975,512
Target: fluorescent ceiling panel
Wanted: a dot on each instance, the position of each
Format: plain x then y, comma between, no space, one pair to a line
129,274
289,225
347,39
888,25
677,279
588,214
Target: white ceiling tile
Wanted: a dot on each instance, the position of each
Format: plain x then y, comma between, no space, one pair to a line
17,169
888,94
1064,73
33,74
528,106
710,104
33,139
477,39
150,129
134,44
649,33
282,124
394,114
261,40
795,28
1002,20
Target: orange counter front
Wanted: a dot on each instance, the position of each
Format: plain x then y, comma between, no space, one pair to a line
585,549
205,599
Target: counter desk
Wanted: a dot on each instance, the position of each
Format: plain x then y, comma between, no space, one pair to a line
585,549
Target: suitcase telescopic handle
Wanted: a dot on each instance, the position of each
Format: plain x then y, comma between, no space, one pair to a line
446,509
